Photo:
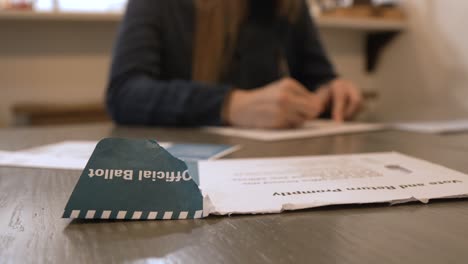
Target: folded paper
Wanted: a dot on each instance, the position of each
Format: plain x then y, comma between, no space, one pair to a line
134,179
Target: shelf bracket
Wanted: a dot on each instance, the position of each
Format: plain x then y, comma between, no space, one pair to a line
375,44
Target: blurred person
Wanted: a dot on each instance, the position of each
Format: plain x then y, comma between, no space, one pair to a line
245,63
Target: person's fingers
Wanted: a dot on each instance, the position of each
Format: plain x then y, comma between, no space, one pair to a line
354,101
296,109
302,100
309,106
306,104
295,86
324,94
286,118
339,100
295,120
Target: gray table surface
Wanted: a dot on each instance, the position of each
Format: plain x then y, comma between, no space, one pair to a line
32,201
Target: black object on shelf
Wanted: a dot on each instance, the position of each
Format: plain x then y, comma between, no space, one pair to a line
375,44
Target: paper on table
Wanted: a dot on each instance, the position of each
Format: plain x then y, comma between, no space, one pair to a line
19,159
435,127
71,155
75,154
310,129
274,185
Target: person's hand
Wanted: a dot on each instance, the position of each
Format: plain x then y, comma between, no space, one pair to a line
344,96
282,104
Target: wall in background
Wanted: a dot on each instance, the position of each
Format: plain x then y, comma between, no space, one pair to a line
424,73
53,62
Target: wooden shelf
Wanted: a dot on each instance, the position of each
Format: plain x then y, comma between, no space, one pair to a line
7,15
40,114
379,32
364,24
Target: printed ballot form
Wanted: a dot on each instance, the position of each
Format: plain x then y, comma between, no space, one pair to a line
254,186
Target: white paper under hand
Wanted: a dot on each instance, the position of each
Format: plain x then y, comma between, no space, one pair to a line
317,128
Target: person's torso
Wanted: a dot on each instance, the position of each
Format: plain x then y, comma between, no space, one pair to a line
262,53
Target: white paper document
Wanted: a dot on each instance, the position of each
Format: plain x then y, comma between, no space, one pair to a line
74,155
435,127
317,128
255,186
71,155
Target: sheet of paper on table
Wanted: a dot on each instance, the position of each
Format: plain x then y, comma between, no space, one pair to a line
75,154
435,127
254,186
310,129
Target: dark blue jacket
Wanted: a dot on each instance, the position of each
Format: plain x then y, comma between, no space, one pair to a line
150,81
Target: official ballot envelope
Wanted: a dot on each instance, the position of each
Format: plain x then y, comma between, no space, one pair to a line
132,179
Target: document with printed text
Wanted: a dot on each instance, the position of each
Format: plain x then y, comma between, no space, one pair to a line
254,186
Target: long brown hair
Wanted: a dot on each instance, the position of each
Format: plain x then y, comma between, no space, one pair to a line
217,24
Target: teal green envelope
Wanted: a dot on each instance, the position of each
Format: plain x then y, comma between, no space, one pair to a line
134,179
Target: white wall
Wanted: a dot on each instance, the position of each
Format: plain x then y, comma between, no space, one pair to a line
81,5
424,74
53,62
